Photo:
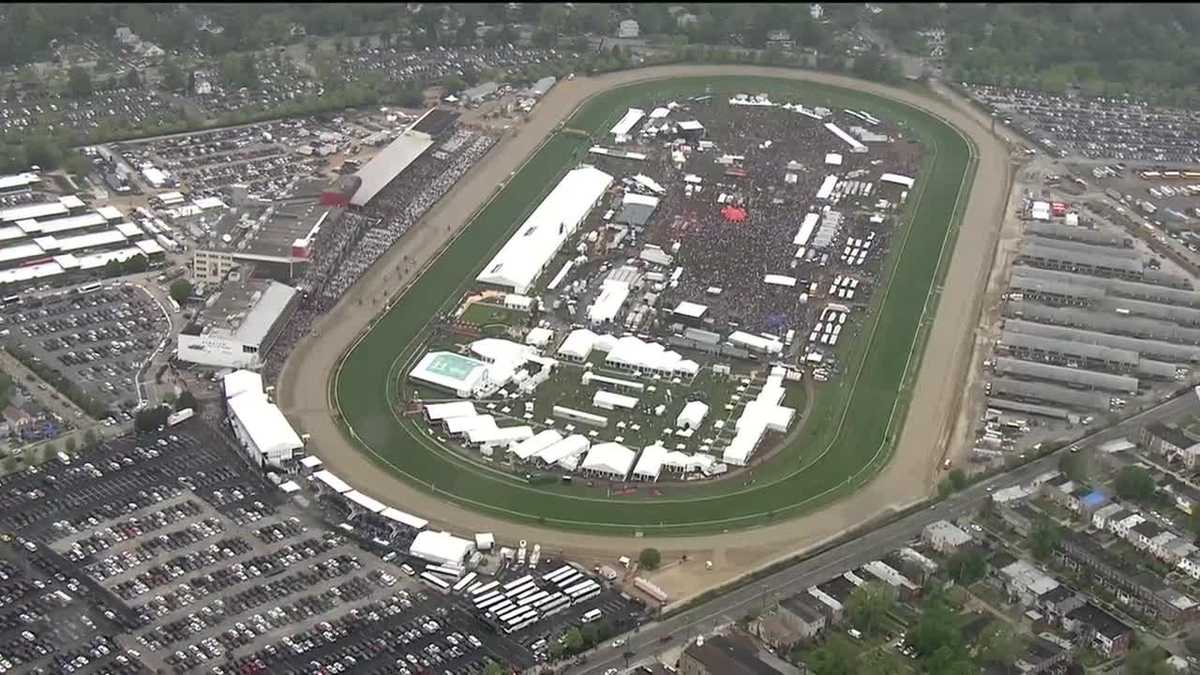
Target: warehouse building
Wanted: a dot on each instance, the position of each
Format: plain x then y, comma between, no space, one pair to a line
1061,352
1102,262
1135,326
1055,292
238,331
1083,235
1117,287
1070,376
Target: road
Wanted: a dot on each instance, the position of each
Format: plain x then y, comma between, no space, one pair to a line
907,479
728,608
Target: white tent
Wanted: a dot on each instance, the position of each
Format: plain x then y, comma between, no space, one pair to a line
240,381
568,448
607,400
522,259
635,354
441,548
262,428
464,425
445,411
536,443
649,463
396,515
611,460
578,345
692,415
332,482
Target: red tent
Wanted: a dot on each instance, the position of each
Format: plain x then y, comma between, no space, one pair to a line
733,214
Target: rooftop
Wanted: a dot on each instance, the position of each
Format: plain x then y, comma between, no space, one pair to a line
268,233
730,656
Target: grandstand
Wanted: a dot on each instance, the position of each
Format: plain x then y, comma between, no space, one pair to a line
390,162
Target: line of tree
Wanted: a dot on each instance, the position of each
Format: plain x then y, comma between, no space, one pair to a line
59,381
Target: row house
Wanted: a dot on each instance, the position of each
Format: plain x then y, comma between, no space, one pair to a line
1171,443
1096,628
1132,586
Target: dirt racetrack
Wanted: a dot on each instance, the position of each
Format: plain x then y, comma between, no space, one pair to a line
908,478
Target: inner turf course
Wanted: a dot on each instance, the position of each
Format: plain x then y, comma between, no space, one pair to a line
816,468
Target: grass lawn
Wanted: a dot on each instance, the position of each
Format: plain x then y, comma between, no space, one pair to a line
854,420
486,314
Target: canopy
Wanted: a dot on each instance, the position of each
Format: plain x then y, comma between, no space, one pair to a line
733,214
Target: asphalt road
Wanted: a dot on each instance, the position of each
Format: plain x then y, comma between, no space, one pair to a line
729,607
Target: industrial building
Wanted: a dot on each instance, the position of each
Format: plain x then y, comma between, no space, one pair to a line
1050,393
238,330
1102,261
1105,322
1157,349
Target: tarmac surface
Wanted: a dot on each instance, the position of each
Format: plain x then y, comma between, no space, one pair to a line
303,392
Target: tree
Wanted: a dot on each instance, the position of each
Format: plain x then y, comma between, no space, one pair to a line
869,606
1044,538
967,566
79,82
132,79
89,439
998,644
649,559
181,290
573,640
937,628
149,419
1147,660
70,444
454,83
835,657
187,400
1074,465
173,76
1135,482
494,668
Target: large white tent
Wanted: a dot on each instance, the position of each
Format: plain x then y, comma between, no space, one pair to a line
635,354
535,444
649,463
610,460
442,548
692,415
455,372
519,263
566,452
263,430
761,415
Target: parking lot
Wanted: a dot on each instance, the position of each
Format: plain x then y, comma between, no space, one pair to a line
97,339
435,63
173,555
1097,128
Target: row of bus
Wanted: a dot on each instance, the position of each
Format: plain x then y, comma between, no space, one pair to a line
518,604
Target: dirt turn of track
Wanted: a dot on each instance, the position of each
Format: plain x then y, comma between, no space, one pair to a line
908,478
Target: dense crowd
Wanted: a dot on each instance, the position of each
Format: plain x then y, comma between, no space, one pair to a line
344,253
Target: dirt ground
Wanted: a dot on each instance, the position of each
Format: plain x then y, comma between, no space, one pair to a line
303,391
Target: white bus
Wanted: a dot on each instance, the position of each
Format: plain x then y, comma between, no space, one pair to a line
518,590
531,599
585,595
586,583
511,613
521,626
90,288
568,580
591,615
525,614
516,582
531,590
552,577
560,603
485,588
443,570
502,607
494,595
438,584
465,581
545,602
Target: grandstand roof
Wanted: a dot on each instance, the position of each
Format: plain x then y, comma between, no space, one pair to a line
366,502
265,312
539,238
415,522
389,163
333,482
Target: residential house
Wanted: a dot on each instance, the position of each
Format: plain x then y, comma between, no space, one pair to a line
944,537
831,607
1132,585
731,655
628,29
1035,656
1025,582
126,36
1142,534
913,564
775,632
1108,513
906,589
1183,494
816,11
1122,527
1190,565
686,20
1171,443
1020,517
1103,632
805,614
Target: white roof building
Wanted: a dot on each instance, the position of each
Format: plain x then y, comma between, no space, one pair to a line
607,400
240,381
332,482
761,415
539,337
469,423
499,436
458,373
897,179
523,258
649,463
833,159
535,444
578,345
566,452
442,548
635,354
262,428
627,122
389,163
611,460
445,411
756,343
692,415
608,304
